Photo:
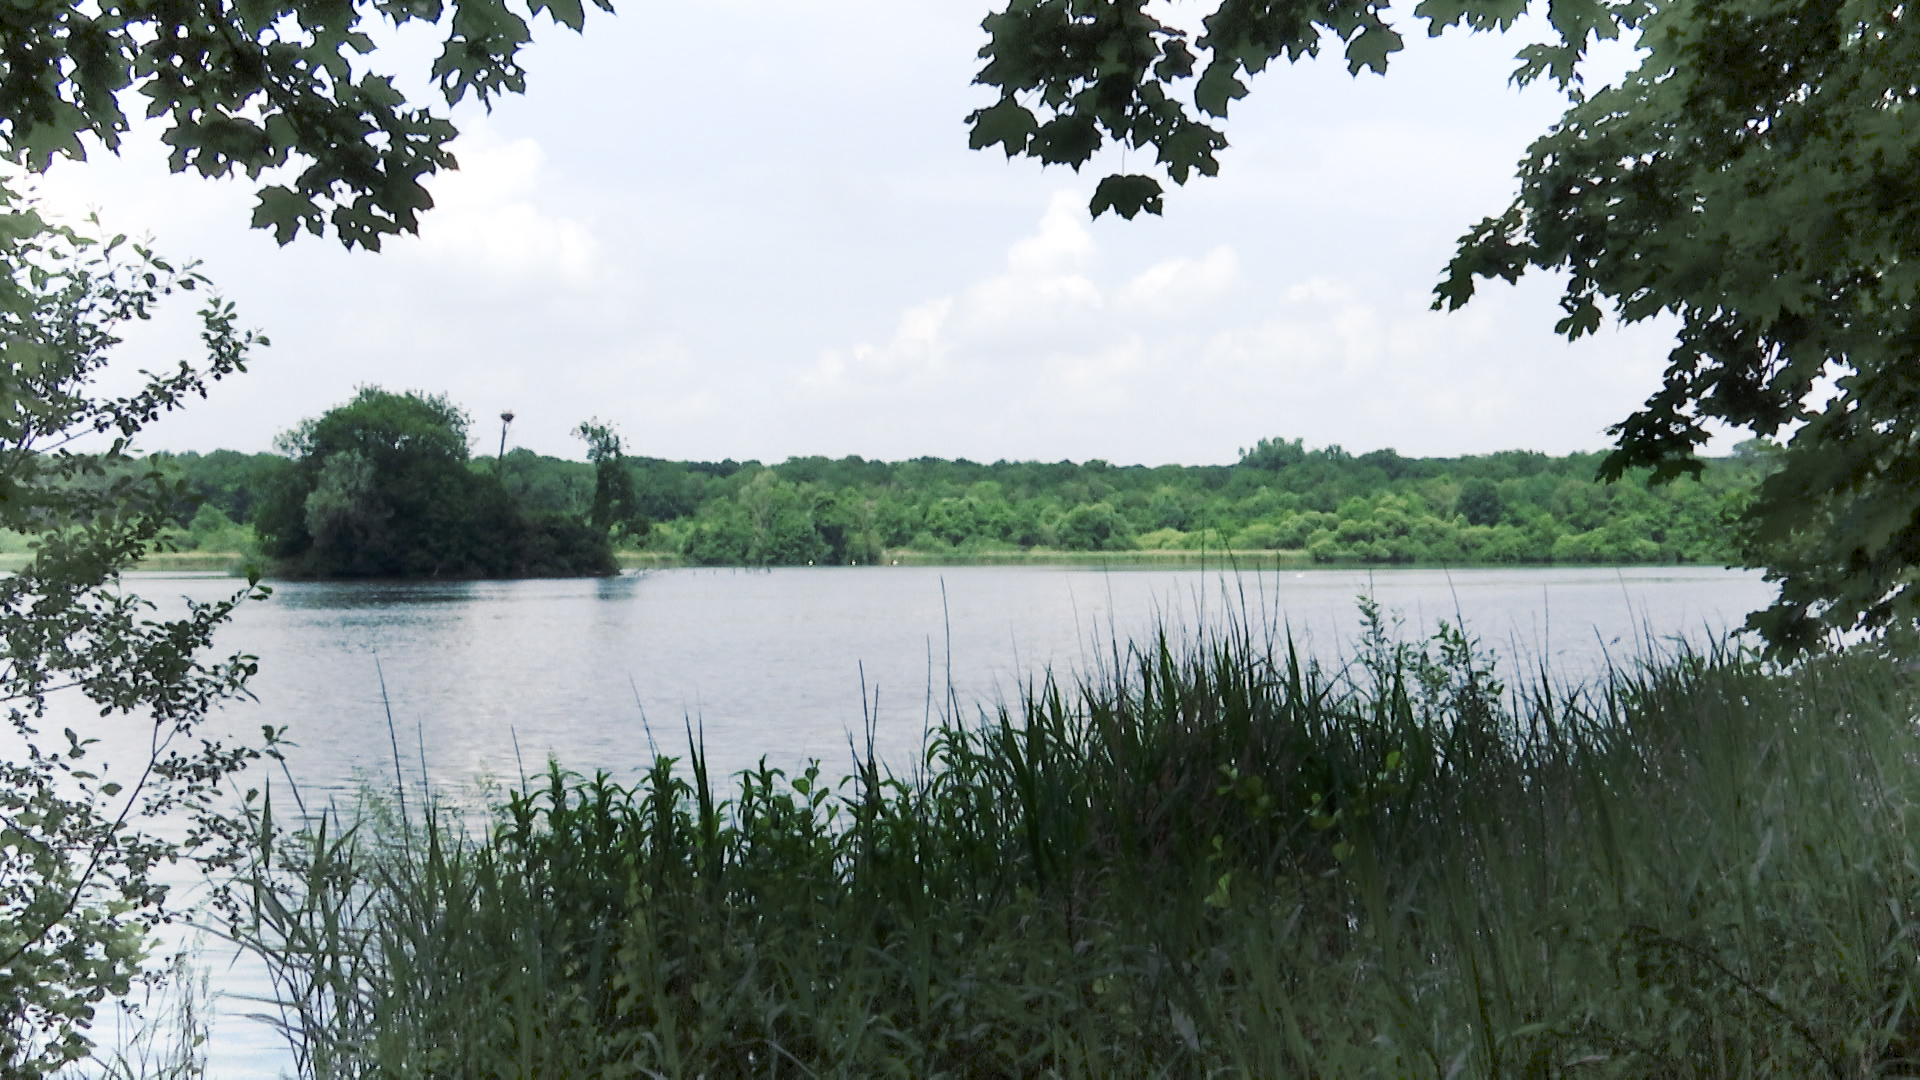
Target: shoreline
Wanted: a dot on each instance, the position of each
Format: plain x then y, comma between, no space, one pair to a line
230,562
650,560
1148,560
235,563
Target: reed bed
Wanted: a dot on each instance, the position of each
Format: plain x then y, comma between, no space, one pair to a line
1211,858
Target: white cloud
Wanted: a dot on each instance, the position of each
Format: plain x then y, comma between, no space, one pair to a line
745,280
1041,297
1062,244
1181,287
488,216
1068,352
914,351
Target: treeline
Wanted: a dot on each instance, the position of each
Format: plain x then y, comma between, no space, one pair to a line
1376,508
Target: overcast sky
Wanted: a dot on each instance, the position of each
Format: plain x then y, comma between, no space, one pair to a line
751,229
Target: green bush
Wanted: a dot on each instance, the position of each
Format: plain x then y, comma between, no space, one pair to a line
1093,527
1259,536
980,545
90,813
928,542
1209,539
211,530
772,522
1162,540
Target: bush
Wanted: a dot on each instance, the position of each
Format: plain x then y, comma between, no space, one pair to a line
1093,527
928,542
1480,502
211,530
1209,539
1260,536
1162,540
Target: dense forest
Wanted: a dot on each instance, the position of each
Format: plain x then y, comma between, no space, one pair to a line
1512,507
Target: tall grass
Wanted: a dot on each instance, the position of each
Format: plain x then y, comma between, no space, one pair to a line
1210,859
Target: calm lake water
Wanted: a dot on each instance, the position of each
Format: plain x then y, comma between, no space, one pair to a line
772,663
485,678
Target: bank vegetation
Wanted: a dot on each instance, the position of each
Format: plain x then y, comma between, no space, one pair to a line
1210,859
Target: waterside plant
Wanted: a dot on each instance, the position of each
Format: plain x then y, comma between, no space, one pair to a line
1211,858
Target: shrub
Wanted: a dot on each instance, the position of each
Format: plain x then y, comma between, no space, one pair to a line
1093,527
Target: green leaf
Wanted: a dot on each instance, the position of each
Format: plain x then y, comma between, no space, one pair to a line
1371,47
568,13
1220,897
1176,61
1126,195
1218,87
286,212
1069,139
1005,123
1441,14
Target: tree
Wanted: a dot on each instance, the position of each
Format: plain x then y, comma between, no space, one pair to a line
278,85
225,480
1754,177
380,487
616,506
769,521
1094,527
1274,454
1480,502
79,842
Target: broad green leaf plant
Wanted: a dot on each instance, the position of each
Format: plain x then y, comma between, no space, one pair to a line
109,772
1757,178
280,90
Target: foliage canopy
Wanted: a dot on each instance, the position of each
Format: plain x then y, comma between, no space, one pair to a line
80,840
280,85
382,487
1334,506
1755,178
616,505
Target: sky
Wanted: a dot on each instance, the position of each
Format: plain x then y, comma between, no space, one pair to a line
753,230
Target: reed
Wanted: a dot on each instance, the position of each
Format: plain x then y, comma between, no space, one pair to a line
1211,858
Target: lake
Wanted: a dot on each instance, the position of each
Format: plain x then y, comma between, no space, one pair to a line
486,678
773,662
